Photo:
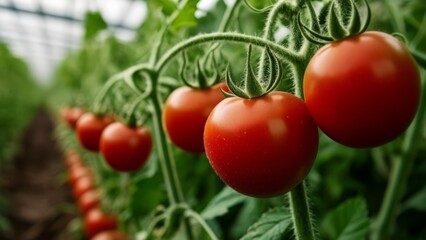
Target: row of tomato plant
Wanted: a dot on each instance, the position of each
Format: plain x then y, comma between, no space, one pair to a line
19,99
259,135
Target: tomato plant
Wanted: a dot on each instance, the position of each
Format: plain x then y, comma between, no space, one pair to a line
125,148
372,98
89,129
261,147
96,221
185,114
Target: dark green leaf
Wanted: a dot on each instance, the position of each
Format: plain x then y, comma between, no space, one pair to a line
349,221
185,17
221,204
271,226
417,202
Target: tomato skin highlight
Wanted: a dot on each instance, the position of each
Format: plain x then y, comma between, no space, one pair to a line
185,113
96,221
363,91
124,148
261,147
89,130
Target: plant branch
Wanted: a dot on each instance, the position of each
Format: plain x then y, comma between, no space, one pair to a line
282,53
200,220
301,214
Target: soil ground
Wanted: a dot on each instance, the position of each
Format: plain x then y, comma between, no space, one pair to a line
35,186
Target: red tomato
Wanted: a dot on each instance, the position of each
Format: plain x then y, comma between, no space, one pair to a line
89,130
125,148
96,221
261,147
77,172
185,114
71,115
110,235
83,185
88,200
363,91
73,159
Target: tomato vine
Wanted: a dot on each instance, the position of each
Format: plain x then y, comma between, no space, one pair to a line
306,29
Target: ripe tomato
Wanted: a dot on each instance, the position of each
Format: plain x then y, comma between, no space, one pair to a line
89,130
110,235
363,91
78,171
125,148
185,114
71,115
88,200
261,147
72,159
96,221
83,185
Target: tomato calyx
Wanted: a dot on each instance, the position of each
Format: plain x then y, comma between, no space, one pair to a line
205,78
253,87
342,20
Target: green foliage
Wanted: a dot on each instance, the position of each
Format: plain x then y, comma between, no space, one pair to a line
349,221
93,24
271,226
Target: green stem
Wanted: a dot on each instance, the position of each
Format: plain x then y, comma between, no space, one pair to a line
395,17
200,220
104,91
301,214
283,53
228,16
165,155
267,34
399,175
157,45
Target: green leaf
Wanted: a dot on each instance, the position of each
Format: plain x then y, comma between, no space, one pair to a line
93,23
184,16
349,221
416,202
168,6
221,204
271,226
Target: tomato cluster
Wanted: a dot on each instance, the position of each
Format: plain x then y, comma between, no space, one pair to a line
124,148
97,224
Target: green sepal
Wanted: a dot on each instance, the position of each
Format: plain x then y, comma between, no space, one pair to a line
355,21
335,27
368,17
275,71
201,77
252,86
182,71
232,86
310,34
